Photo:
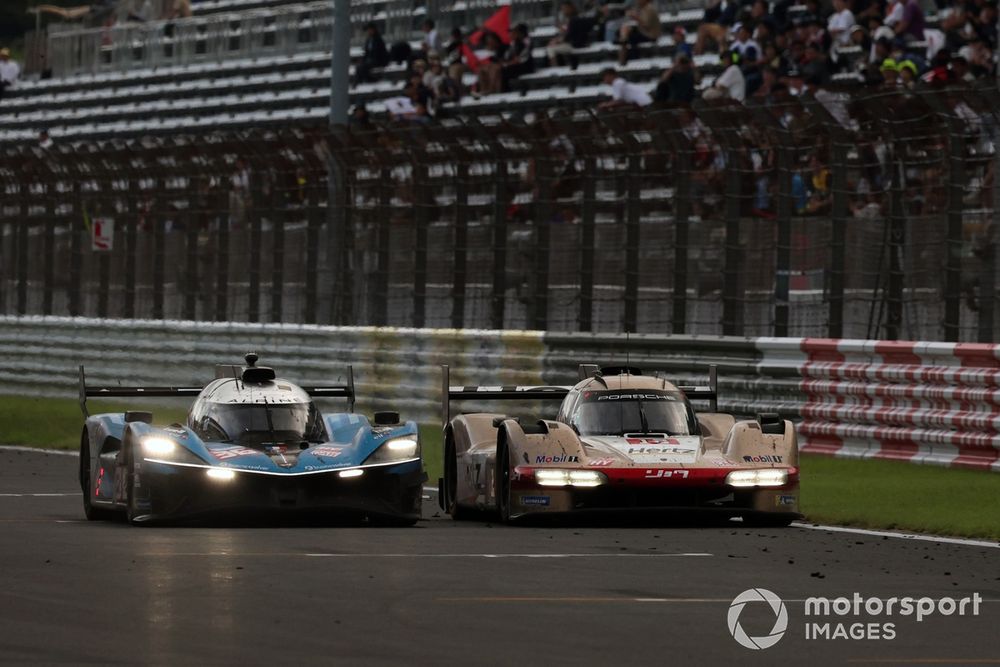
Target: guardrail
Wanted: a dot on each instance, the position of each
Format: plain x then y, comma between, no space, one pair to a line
935,403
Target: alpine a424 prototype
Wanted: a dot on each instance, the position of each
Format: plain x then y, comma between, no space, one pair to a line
253,444
621,441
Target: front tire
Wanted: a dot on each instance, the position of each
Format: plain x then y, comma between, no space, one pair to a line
86,479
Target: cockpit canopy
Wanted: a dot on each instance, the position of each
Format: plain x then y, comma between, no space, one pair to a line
257,424
617,412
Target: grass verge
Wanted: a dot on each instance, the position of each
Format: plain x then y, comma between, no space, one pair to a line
869,494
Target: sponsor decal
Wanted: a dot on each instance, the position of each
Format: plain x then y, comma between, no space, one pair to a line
179,432
558,458
635,397
763,458
600,463
542,501
227,453
652,441
784,500
329,452
380,432
666,474
658,450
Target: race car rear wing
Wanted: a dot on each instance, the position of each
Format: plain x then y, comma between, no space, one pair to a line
449,393
325,391
493,393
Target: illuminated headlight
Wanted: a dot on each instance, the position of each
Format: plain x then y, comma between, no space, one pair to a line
397,449
158,446
768,477
221,474
557,477
354,472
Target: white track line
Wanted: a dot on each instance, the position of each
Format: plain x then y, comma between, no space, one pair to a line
38,450
38,495
902,536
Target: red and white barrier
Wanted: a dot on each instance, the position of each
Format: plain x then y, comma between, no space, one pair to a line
921,402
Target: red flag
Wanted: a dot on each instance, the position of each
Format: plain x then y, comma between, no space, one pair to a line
471,61
498,23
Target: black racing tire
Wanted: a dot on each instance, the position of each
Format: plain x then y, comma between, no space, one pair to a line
502,481
451,506
131,511
768,520
92,513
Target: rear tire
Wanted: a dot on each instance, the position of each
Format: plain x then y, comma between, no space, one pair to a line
457,512
502,480
92,513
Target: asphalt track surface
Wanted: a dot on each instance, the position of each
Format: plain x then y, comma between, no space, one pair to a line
75,592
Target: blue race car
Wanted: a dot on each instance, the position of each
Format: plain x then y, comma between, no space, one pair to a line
253,445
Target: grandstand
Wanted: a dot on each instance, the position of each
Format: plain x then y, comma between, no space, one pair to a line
236,64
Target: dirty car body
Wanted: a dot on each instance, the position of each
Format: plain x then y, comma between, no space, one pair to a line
253,445
621,441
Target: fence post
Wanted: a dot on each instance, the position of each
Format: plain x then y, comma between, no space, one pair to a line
897,240
732,319
131,250
222,269
277,261
461,254
538,315
49,254
783,247
421,213
838,238
313,222
588,252
379,296
633,211
682,236
158,221
191,227
499,289
76,254
254,220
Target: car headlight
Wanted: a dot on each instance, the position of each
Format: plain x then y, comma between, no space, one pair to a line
397,449
766,477
157,447
558,477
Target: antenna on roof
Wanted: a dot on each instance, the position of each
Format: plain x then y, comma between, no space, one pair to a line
627,364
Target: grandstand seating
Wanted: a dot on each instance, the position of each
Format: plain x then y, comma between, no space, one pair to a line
280,87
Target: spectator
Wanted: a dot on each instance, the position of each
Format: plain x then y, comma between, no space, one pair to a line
490,67
644,26
680,42
890,73
143,13
911,26
611,16
436,78
907,74
181,9
375,56
623,93
574,33
677,84
960,69
359,118
840,22
719,16
44,140
431,41
10,71
730,83
517,60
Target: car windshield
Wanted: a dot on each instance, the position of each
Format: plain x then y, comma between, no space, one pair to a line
645,411
249,425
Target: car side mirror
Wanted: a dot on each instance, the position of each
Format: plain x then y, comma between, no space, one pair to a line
138,416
